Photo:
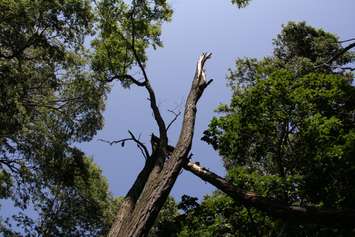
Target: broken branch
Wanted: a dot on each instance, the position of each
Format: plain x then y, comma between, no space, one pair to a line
276,208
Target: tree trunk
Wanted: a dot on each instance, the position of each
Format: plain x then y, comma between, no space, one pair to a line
152,187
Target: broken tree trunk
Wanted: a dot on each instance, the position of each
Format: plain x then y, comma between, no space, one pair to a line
152,186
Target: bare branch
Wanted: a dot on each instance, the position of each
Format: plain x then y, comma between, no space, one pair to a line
153,102
153,184
10,164
116,141
207,83
128,77
340,53
348,68
145,83
160,181
176,115
276,208
140,145
348,40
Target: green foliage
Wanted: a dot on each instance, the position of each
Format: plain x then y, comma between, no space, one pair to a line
52,92
83,208
40,46
76,202
241,3
298,40
166,224
219,215
49,100
126,31
288,132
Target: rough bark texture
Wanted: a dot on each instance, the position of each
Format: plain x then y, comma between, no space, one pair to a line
131,198
275,208
152,186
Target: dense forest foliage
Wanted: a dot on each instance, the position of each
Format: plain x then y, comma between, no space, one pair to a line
49,101
288,133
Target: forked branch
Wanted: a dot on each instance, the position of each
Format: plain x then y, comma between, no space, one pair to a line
163,176
140,145
176,115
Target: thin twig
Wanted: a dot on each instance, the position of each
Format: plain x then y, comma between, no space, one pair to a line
340,53
344,41
348,68
116,141
140,145
176,115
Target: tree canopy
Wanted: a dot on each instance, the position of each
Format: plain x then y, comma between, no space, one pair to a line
49,101
288,132
53,87
287,135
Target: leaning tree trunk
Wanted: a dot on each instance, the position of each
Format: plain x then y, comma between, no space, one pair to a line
152,186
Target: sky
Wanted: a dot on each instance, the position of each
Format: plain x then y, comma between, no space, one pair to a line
198,26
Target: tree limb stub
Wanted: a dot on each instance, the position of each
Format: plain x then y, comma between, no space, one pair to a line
275,208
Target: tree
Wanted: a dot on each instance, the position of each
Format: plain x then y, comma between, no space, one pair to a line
57,99
54,89
300,86
48,102
82,208
120,46
289,130
220,215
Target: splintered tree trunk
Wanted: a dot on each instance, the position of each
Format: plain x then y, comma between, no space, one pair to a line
152,186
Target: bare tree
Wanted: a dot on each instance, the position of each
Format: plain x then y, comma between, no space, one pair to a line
152,186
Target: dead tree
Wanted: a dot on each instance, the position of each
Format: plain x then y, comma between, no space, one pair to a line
152,186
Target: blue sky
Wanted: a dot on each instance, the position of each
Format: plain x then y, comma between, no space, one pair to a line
200,26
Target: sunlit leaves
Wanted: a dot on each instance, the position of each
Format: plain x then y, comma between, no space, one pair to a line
126,31
52,88
48,100
287,131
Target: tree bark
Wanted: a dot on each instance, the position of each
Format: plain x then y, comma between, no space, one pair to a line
128,204
152,186
275,208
